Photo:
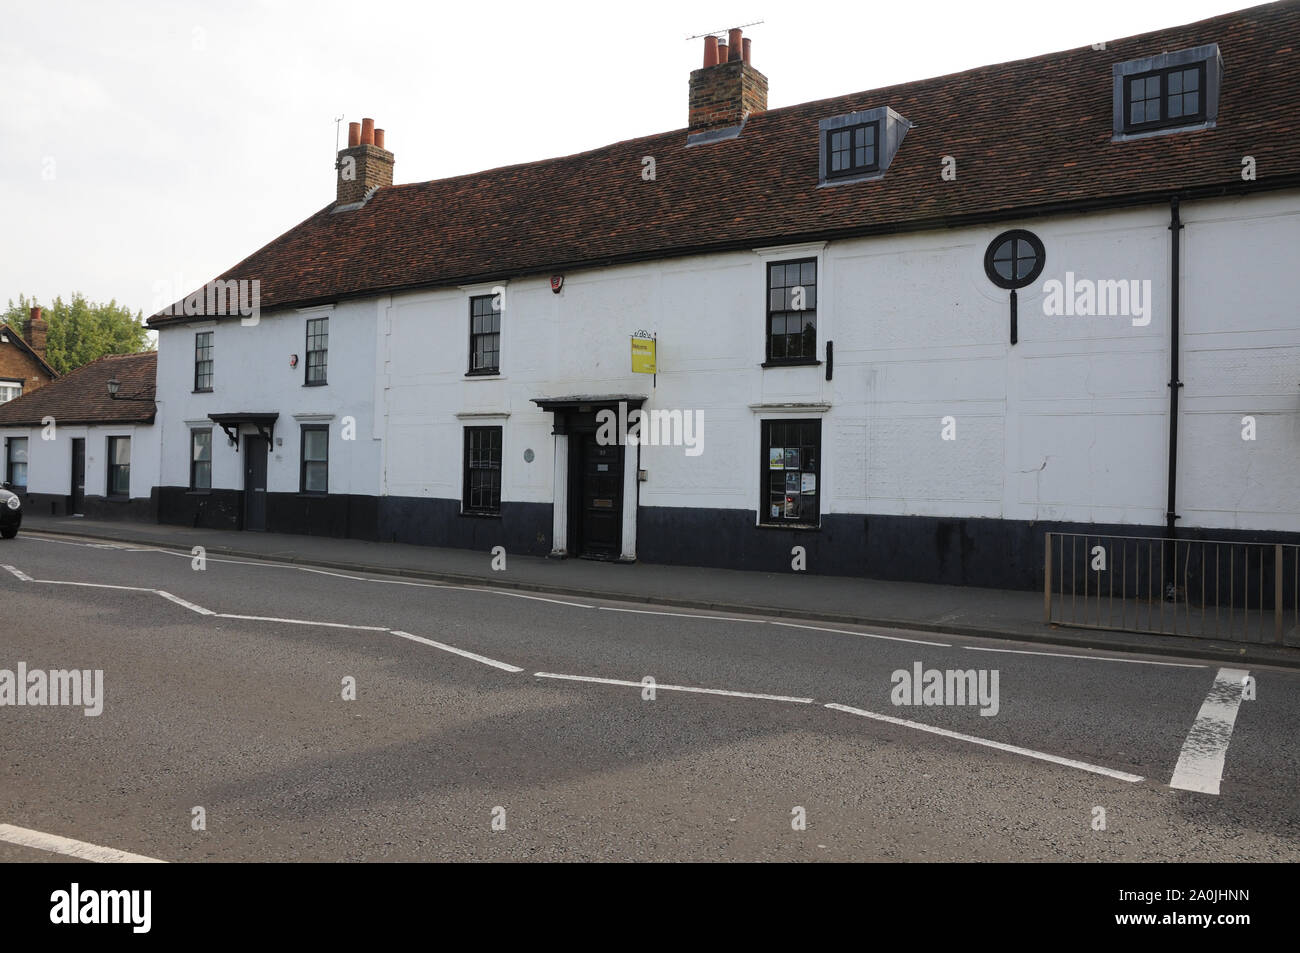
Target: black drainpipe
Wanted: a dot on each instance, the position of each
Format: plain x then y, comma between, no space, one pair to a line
1171,516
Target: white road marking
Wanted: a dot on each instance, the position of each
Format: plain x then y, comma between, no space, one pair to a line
1013,749
336,575
684,615
520,595
1092,658
427,585
1200,766
93,585
182,602
504,666
267,618
674,688
26,837
19,573
865,635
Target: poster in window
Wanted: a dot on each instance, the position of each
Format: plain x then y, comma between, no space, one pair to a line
809,483
776,458
792,481
792,458
776,510
791,506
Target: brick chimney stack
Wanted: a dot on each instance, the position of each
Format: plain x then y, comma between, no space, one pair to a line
365,164
726,88
34,330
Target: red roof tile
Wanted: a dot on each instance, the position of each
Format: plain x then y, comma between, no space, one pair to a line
81,396
1029,137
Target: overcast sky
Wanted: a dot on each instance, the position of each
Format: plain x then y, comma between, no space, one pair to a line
166,140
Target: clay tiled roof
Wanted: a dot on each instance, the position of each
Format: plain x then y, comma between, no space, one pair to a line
1030,137
81,396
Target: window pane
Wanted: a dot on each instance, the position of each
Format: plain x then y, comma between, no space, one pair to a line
808,273
121,451
315,444
1191,80
18,449
314,477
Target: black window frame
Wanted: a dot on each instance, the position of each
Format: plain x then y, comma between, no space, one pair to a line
1166,121
853,169
1017,235
471,464
322,342
200,360
303,461
804,426
768,312
194,463
493,311
9,463
111,448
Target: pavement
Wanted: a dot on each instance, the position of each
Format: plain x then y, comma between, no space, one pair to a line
953,610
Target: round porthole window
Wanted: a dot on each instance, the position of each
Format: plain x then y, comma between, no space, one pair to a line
1014,259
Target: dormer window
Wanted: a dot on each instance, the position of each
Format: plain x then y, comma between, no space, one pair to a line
859,146
1170,97
1172,92
853,149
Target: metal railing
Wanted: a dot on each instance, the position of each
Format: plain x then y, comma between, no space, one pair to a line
1209,589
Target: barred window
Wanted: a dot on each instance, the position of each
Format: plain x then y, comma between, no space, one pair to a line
484,335
792,312
318,342
791,472
482,493
203,361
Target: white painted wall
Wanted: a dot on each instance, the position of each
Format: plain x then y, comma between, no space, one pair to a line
252,374
1070,424
49,457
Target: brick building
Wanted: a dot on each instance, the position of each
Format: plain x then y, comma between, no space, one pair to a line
22,358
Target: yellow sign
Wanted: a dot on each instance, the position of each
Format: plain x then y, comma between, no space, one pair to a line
643,356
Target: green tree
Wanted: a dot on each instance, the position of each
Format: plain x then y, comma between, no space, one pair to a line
81,331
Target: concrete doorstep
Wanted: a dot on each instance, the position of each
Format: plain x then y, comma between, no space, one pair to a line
920,607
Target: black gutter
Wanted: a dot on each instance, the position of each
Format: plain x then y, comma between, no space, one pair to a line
748,244
1171,515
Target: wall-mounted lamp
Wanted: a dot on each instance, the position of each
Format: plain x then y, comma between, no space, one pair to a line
115,385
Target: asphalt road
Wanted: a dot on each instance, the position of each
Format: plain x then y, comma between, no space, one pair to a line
453,727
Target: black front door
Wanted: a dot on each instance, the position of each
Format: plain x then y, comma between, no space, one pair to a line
597,523
255,449
76,504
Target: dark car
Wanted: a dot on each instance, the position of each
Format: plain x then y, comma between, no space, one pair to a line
11,514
